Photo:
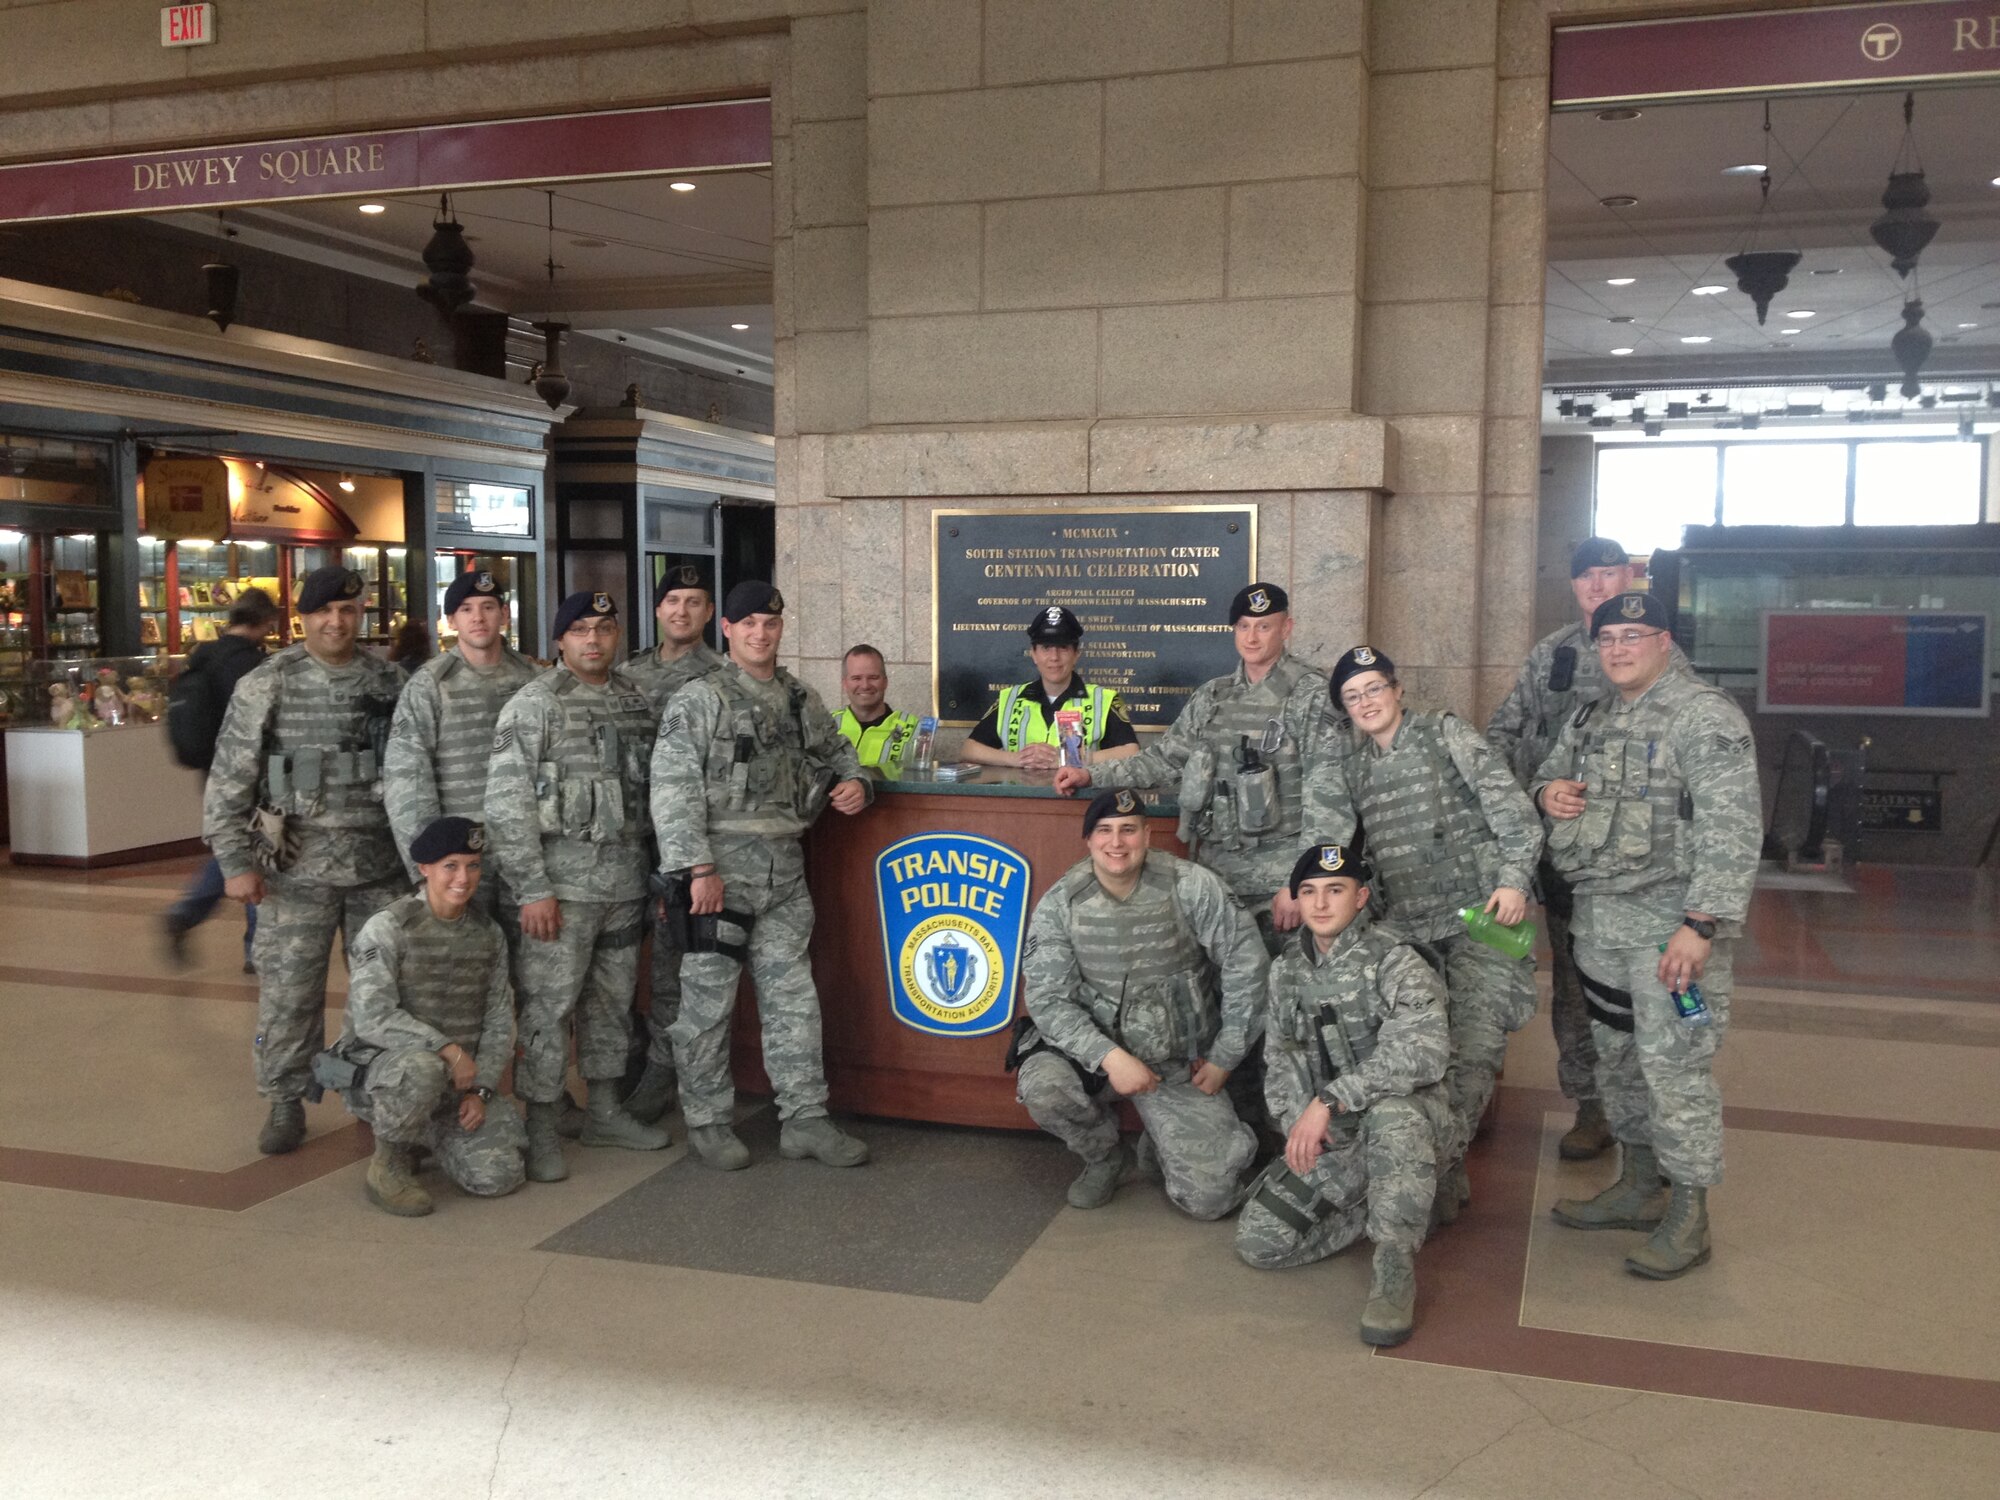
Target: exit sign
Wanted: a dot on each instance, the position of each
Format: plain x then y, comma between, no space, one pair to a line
187,25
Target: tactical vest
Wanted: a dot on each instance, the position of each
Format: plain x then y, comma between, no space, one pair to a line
758,780
1574,676
1637,809
1327,1010
1023,721
880,745
323,746
1147,981
660,680
1250,710
1426,835
469,703
446,969
594,788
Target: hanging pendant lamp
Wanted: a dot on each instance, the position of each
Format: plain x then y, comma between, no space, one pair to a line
1905,229
449,260
1762,274
551,384
1911,346
221,281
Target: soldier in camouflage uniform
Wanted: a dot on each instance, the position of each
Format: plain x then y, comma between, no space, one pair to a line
1243,822
1561,675
682,607
1447,828
430,1026
1656,821
747,758
1358,1041
567,822
1145,981
293,812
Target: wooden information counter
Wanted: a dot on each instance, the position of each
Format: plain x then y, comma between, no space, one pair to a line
875,1064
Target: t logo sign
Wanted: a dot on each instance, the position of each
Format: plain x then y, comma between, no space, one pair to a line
1881,42
187,25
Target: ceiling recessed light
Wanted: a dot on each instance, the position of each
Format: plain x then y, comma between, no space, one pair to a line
1996,182
373,208
1694,338
1619,200
1621,318
1621,351
1619,280
1618,114
1745,169
1968,325
1826,270
1788,331
1708,291
681,187
739,327
1802,312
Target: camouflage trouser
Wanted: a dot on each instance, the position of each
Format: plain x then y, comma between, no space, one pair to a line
295,928
1657,1080
1204,1150
411,1103
1378,1174
787,1005
589,971
665,1002
1490,996
1569,1017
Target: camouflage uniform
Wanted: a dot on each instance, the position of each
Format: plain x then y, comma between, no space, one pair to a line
1363,1028
1446,823
660,680
1523,730
746,817
1142,974
420,985
566,816
1672,823
1208,733
303,739
441,744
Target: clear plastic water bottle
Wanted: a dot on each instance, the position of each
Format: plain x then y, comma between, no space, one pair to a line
1517,941
1689,1004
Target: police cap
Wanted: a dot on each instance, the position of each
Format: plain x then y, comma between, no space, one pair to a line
583,606
444,837
328,585
1324,860
1633,608
752,596
474,585
1258,600
1054,626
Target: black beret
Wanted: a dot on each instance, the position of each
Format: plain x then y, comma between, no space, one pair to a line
1354,663
1120,802
1258,600
467,585
681,576
1323,860
752,597
1596,552
327,585
443,837
583,606
1054,626
1634,608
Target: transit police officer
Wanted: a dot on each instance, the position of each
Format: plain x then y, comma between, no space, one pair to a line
747,758
567,821
1020,728
1562,674
682,608
1448,829
1237,752
293,812
1356,1042
880,736
1656,823
1145,981
430,1028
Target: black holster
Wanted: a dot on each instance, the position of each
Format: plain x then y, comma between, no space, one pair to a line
692,933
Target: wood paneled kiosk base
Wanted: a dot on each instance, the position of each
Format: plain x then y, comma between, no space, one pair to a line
875,1064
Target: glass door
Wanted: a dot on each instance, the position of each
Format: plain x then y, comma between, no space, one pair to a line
510,570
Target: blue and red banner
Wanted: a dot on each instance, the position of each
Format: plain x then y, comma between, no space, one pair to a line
1874,661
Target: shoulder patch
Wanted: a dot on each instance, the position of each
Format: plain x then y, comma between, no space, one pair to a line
503,737
1733,743
368,954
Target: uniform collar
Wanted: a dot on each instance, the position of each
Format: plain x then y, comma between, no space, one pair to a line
1346,939
1076,689
884,717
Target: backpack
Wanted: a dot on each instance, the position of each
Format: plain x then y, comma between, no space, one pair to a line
195,705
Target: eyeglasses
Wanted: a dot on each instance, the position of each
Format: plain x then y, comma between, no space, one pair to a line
1368,694
585,627
1606,639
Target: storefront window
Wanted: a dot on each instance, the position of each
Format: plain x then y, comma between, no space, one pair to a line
489,509
1917,484
1784,484
1645,495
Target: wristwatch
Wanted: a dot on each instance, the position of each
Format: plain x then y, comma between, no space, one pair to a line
485,1094
1702,929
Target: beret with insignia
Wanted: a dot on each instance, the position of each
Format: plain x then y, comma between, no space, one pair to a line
1596,552
680,576
752,596
477,584
444,837
1122,802
328,585
1258,600
1636,608
584,606
1361,659
1323,860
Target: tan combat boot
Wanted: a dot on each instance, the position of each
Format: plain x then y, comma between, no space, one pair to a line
1392,1301
1097,1183
545,1153
1637,1200
1680,1243
391,1184
1589,1137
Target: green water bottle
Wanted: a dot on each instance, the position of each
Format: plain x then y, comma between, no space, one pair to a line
1517,941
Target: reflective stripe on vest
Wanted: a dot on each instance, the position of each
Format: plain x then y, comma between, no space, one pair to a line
878,744
1024,722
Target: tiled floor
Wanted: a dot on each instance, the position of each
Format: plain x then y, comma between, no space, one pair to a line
179,1316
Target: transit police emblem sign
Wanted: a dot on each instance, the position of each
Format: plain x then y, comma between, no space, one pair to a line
954,910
